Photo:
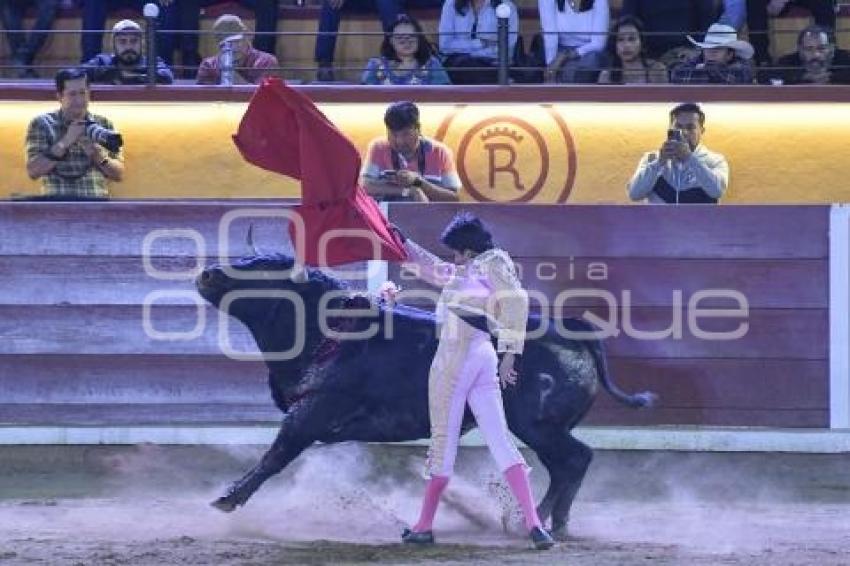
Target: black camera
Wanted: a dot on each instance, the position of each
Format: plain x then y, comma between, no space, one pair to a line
109,139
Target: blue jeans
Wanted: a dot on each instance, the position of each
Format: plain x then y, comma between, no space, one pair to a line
22,45
94,20
585,69
329,20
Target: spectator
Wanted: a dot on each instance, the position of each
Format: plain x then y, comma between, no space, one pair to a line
667,22
250,65
683,170
758,11
629,63
817,61
187,18
406,58
406,165
126,65
94,21
734,14
24,47
73,151
329,18
724,59
468,39
574,37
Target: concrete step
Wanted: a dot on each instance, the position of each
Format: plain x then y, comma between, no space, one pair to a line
138,414
129,379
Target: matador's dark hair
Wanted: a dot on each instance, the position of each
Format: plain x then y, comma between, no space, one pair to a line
467,232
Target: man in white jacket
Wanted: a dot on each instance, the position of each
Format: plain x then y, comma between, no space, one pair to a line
682,171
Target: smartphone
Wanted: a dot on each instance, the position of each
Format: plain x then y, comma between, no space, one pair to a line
674,134
387,174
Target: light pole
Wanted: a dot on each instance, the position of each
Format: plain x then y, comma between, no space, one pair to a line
151,13
503,13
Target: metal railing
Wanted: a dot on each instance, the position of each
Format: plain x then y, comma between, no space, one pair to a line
502,68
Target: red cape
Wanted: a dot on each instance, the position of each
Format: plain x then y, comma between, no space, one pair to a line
283,131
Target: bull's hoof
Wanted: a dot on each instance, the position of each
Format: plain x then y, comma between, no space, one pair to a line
224,504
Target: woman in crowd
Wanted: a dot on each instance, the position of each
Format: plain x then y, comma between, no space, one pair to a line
406,58
629,63
468,39
574,36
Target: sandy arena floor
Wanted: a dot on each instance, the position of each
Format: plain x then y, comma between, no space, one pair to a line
347,504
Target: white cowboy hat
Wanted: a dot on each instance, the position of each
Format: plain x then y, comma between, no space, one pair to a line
721,35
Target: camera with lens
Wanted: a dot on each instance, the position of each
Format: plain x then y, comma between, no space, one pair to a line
109,139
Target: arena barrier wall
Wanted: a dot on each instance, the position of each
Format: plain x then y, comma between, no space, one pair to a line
78,364
524,145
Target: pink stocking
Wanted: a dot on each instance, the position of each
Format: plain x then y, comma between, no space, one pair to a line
521,488
433,490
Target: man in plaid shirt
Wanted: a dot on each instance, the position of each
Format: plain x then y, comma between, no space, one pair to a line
60,152
725,59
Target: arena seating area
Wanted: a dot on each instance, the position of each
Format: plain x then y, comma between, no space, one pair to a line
295,50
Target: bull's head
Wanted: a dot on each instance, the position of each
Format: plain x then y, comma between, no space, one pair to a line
260,272
267,272
262,291
255,272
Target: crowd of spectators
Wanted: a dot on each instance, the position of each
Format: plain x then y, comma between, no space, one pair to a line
679,41
76,153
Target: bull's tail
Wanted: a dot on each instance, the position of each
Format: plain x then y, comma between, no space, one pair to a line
638,400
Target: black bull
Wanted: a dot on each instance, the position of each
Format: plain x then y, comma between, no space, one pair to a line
376,389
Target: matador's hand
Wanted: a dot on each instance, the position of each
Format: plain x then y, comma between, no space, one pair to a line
507,374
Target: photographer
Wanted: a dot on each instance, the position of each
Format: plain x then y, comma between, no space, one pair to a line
683,170
74,152
406,166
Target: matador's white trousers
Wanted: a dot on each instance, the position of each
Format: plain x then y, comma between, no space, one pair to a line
465,371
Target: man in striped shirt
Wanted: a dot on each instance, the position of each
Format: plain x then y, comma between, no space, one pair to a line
60,148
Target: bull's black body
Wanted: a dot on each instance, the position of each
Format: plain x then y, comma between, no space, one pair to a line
376,390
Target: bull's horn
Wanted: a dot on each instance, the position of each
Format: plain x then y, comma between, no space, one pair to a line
298,274
249,239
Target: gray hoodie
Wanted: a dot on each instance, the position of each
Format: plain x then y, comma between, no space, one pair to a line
660,182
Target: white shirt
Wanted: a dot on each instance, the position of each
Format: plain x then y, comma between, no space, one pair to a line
585,31
456,30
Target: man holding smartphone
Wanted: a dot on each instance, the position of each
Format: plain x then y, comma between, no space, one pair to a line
683,170
407,166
